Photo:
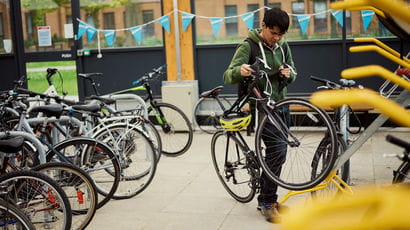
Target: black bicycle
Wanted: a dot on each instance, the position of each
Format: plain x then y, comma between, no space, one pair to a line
297,134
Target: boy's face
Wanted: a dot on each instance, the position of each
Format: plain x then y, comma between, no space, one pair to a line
271,35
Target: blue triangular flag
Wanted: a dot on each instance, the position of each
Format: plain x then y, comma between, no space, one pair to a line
303,22
248,19
109,37
367,16
91,34
82,27
186,20
164,21
216,24
137,33
338,14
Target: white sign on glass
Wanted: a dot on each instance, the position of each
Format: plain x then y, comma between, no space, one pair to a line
44,35
68,31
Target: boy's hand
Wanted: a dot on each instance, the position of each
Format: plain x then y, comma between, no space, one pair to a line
284,71
246,70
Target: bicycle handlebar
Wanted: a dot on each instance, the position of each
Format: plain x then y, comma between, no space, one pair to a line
44,96
150,75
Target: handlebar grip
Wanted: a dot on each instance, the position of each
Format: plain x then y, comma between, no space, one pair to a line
398,142
136,82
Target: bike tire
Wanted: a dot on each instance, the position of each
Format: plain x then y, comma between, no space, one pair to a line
226,147
174,128
401,175
78,186
136,155
295,164
95,158
344,172
11,217
209,123
47,196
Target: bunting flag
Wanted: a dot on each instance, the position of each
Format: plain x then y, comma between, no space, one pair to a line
164,21
216,25
82,27
338,14
186,20
303,22
248,19
367,16
91,34
137,33
109,37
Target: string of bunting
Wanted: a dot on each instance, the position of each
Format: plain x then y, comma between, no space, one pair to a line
216,22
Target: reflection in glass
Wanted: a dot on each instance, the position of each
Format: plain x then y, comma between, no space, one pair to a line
6,45
122,15
40,14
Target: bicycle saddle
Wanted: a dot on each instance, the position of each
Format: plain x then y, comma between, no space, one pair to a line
49,110
89,75
12,144
213,92
93,108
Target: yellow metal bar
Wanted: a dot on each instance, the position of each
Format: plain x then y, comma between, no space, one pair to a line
337,98
382,45
381,51
375,70
377,11
396,8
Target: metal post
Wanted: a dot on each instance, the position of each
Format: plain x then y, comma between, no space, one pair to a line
177,46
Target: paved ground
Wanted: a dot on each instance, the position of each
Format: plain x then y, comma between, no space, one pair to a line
186,194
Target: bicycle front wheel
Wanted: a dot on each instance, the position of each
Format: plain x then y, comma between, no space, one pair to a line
12,217
39,197
232,167
286,154
174,128
207,113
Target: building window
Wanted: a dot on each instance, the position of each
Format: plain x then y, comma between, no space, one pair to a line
231,24
275,5
1,26
256,20
297,8
109,21
29,26
69,19
147,16
320,20
89,20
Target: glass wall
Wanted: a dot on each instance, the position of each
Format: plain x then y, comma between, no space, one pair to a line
47,25
322,22
6,45
121,16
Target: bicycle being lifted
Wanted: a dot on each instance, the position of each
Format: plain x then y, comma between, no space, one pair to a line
301,134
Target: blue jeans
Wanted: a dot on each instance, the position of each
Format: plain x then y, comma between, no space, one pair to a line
275,156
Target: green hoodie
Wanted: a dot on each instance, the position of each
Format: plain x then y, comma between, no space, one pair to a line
274,58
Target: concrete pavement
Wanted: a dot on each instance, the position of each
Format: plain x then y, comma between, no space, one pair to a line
186,193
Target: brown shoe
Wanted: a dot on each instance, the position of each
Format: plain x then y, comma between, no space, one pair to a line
270,212
283,209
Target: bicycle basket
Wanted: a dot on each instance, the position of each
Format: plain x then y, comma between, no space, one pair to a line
235,121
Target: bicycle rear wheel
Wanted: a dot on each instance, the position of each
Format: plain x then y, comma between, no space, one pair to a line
12,217
207,112
78,186
39,197
174,128
287,156
97,159
232,167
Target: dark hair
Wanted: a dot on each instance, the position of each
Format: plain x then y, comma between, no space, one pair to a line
276,17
